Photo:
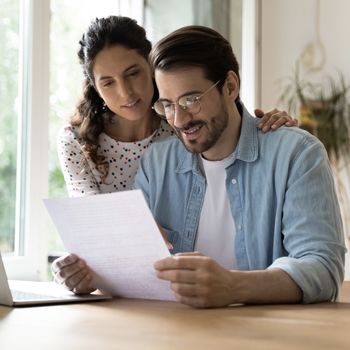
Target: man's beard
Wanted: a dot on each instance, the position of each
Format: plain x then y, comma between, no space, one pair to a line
215,127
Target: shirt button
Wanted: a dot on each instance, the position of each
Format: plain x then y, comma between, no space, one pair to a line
239,227
234,181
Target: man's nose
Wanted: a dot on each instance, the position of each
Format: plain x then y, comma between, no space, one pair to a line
181,116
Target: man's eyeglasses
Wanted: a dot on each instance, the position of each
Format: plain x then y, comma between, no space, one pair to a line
189,103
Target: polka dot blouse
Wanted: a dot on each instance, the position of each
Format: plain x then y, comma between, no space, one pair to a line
118,170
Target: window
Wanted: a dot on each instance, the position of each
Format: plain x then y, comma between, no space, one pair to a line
9,70
26,176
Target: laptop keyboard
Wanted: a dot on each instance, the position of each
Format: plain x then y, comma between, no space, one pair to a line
20,295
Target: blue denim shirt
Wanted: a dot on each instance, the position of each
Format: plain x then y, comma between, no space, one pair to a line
282,200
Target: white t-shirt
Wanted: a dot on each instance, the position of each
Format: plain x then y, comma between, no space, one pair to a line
118,170
216,229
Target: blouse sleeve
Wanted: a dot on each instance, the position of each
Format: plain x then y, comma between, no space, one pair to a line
78,175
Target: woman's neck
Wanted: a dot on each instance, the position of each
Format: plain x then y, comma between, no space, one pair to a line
125,130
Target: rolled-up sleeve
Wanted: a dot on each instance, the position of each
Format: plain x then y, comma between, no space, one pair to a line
312,227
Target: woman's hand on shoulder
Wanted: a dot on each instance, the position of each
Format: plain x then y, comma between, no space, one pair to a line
274,119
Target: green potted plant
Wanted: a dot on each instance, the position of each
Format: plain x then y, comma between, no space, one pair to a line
323,109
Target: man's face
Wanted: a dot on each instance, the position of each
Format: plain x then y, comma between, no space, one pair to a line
202,132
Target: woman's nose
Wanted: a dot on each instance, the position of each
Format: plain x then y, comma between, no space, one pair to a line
124,89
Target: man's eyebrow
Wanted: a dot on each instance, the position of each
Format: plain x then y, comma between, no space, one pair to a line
194,92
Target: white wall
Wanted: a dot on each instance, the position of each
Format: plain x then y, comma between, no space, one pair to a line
286,27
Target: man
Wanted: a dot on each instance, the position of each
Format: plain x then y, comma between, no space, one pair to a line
260,210
258,216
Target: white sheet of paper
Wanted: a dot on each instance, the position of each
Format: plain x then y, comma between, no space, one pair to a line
119,240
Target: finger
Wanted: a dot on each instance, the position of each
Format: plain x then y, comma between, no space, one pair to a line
177,276
283,119
84,286
272,120
189,254
259,113
292,122
184,289
267,116
279,122
63,261
68,271
73,281
178,262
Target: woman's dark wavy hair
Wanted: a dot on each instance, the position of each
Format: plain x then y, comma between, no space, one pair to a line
91,113
197,46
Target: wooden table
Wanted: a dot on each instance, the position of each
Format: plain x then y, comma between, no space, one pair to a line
140,324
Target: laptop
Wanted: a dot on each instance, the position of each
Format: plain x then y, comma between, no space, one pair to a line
28,293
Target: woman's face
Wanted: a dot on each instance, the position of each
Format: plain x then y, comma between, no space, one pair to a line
123,79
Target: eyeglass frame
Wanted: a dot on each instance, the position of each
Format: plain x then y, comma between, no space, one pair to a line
184,108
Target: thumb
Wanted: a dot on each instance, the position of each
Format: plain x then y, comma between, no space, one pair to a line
259,113
195,253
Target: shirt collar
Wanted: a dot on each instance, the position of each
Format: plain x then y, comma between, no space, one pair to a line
247,147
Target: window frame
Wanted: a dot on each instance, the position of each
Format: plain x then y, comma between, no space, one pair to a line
250,61
29,260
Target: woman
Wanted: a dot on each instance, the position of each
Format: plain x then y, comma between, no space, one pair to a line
114,123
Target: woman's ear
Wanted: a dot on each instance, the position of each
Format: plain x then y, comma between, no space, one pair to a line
232,85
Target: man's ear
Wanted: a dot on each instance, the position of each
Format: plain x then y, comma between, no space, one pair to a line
231,87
